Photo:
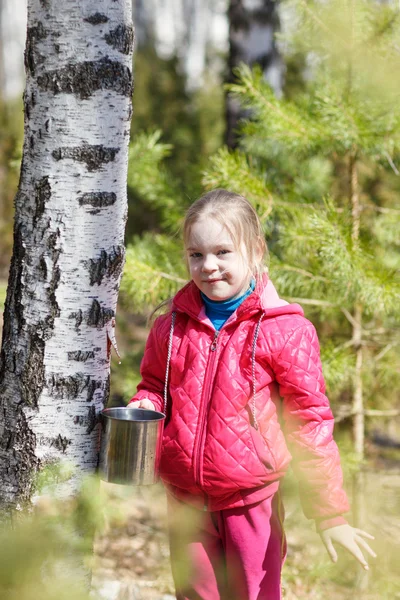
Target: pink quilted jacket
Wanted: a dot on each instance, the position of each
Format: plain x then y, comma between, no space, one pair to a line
241,401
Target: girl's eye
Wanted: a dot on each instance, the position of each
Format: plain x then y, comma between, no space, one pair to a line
195,255
223,252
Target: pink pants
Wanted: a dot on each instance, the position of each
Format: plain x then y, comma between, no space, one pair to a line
234,554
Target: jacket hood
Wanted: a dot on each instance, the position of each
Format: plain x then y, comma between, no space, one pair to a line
264,299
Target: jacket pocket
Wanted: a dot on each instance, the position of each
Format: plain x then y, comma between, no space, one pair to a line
262,450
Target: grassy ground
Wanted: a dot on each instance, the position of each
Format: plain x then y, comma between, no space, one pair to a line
134,547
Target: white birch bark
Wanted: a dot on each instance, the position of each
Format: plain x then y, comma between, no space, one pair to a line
68,255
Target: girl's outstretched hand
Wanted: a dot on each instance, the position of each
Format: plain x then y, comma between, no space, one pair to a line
350,538
145,403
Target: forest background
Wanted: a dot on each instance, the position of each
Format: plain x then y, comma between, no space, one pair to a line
319,159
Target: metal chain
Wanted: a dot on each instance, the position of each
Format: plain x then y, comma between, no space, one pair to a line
171,333
253,370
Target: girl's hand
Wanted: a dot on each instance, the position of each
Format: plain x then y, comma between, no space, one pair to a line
350,538
145,403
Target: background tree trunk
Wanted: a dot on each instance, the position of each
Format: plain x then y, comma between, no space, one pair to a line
70,213
252,26
188,29
12,36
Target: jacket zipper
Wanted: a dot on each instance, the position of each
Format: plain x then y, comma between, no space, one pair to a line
206,395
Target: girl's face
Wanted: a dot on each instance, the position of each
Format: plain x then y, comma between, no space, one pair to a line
216,266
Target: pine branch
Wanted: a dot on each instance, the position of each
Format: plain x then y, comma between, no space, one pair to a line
154,271
323,26
231,170
311,302
149,179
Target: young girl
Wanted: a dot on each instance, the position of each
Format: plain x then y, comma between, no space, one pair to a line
238,373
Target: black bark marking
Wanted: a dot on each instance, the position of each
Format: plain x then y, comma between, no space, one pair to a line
97,19
107,390
70,387
108,264
29,104
92,419
16,286
80,356
54,252
9,441
78,316
46,269
42,195
32,375
20,463
121,38
94,156
61,443
98,315
52,241
32,55
43,268
92,387
98,199
85,78
51,293
13,309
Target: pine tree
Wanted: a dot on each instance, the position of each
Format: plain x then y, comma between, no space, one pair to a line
321,170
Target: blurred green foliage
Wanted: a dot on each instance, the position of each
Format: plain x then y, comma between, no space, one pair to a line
11,134
46,552
189,127
37,560
190,121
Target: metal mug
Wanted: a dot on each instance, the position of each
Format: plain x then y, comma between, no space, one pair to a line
130,447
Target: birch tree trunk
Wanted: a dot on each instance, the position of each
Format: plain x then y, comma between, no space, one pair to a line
252,26
70,213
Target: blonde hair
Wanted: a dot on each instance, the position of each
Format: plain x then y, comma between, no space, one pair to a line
240,219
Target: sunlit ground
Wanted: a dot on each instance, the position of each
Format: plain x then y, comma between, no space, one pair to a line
134,547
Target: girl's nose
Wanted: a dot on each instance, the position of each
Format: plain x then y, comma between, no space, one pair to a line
209,264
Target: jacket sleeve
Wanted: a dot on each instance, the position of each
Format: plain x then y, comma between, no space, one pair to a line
308,425
154,364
